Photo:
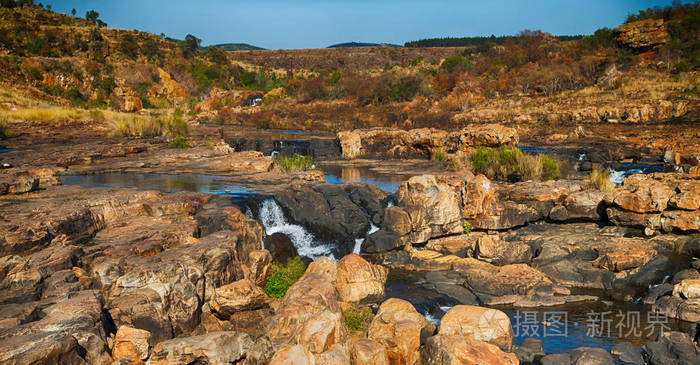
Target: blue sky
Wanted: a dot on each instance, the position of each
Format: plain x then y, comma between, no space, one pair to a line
284,24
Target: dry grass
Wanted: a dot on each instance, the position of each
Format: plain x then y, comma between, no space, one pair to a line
600,178
41,115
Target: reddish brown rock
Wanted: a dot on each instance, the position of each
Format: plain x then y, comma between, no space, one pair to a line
367,352
642,34
400,329
131,344
480,323
238,296
360,282
463,350
293,355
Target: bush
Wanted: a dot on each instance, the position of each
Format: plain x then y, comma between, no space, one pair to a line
180,142
293,164
5,131
284,276
358,319
600,178
97,115
511,164
550,168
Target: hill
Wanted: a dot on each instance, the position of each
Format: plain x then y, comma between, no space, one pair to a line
362,44
238,47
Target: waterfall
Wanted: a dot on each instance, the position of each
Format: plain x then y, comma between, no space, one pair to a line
359,241
273,220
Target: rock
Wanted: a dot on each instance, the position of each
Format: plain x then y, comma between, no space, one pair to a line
687,289
367,352
482,324
131,104
383,241
500,252
590,356
642,34
688,195
309,313
459,245
259,261
463,350
578,206
530,351
627,353
434,206
211,348
293,355
242,295
249,231
641,194
401,330
71,330
397,220
337,355
280,247
672,348
556,359
387,142
360,282
131,344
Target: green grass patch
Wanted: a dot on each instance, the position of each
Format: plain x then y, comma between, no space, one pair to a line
294,163
283,276
438,155
358,319
600,178
180,142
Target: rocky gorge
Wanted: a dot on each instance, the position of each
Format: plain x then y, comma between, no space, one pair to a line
172,268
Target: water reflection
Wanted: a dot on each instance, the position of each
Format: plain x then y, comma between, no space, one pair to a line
161,182
362,174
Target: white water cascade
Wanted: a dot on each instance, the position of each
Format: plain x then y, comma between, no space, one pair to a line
359,241
273,220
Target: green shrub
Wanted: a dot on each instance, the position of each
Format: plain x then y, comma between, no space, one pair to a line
5,131
97,115
293,164
358,319
180,142
550,168
283,276
467,228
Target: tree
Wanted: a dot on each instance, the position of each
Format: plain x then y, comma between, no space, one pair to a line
93,17
73,11
190,46
129,46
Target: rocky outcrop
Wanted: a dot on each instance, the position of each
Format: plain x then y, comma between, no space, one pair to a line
393,143
338,213
657,202
643,34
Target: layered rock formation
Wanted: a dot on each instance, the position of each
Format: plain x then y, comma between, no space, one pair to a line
393,143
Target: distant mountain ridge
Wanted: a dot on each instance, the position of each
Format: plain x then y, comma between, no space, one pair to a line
238,47
363,44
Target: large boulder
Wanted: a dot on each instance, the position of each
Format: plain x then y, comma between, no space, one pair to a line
463,350
401,330
132,344
242,295
364,351
480,323
293,355
360,282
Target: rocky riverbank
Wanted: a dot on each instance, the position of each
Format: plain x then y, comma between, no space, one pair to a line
100,275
